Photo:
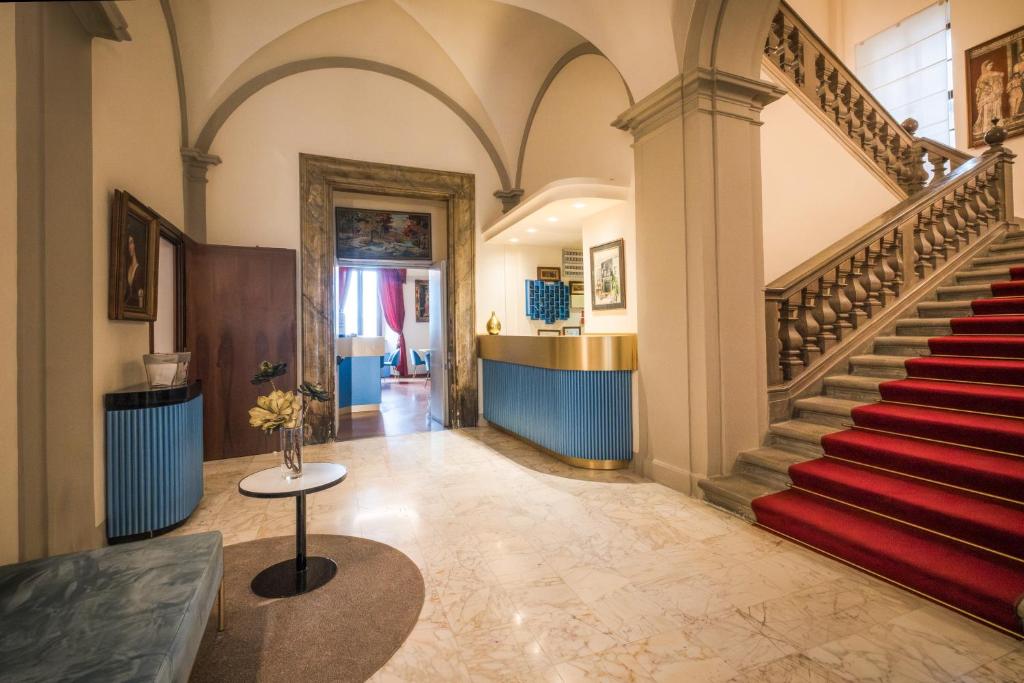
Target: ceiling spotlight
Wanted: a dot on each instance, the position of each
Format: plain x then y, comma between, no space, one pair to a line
552,219
514,240
531,230
579,205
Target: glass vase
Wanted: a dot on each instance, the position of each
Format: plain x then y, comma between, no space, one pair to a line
291,452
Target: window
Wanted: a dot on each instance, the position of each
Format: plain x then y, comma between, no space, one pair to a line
360,312
909,69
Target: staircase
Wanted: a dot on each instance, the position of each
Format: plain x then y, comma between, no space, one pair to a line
911,465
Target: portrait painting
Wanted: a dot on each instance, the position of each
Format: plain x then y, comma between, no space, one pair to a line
995,85
607,274
134,240
422,300
381,236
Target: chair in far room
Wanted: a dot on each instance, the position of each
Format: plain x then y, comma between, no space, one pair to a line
420,359
389,364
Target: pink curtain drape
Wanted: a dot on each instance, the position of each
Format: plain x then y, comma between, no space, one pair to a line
343,284
392,302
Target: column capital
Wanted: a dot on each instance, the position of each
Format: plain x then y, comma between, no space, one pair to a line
707,90
509,198
197,162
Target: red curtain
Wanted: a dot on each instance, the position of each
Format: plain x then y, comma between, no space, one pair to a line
392,302
343,283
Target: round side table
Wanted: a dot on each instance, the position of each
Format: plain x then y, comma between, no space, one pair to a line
303,574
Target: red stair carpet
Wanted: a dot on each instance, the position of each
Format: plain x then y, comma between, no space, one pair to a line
927,488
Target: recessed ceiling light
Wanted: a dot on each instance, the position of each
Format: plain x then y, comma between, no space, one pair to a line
579,205
552,219
531,230
514,240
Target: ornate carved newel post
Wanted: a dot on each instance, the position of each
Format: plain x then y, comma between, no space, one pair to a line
995,138
196,163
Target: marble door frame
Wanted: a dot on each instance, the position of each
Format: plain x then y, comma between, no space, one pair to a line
319,178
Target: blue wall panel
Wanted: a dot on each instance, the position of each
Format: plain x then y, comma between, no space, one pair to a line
581,414
359,381
154,466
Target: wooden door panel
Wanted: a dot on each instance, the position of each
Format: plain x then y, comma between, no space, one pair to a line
241,311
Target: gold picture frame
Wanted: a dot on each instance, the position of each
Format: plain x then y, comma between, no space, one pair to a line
134,260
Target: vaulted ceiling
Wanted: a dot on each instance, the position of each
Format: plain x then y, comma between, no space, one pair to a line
490,58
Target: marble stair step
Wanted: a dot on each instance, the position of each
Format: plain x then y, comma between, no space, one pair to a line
926,327
826,410
768,465
944,309
901,346
1003,258
799,436
964,292
982,275
1011,241
854,387
875,365
733,493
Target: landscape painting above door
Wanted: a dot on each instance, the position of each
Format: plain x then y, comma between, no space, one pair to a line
375,235
995,90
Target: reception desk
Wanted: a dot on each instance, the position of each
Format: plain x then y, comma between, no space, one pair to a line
359,361
572,397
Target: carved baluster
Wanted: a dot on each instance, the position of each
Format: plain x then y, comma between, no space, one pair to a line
963,232
828,87
912,158
825,315
947,222
872,285
857,294
966,208
938,164
884,271
773,44
858,127
790,357
991,196
895,260
872,145
844,101
841,303
922,247
935,235
979,204
808,327
795,55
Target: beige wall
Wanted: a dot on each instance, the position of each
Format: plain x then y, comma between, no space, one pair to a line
802,165
618,222
8,291
972,22
136,137
571,135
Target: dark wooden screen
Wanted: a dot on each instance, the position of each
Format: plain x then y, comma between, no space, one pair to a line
241,309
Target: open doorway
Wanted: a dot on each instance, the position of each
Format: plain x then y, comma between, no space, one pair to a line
391,341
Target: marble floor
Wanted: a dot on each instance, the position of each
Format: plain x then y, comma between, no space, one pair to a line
539,572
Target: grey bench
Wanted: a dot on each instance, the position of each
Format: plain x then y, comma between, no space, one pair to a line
132,612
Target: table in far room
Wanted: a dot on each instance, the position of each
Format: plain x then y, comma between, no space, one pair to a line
302,574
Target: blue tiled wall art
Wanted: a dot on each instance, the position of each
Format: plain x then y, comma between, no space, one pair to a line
547,301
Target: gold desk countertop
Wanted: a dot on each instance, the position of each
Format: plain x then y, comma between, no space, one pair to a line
587,352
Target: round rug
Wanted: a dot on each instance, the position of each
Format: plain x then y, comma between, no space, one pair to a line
343,631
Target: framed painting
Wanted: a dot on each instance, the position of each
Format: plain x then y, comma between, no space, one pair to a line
549,333
995,85
572,331
549,273
372,235
421,300
134,241
608,276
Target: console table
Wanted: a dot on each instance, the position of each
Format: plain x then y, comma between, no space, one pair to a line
154,459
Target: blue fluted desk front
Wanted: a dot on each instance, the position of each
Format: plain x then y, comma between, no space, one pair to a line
570,396
154,459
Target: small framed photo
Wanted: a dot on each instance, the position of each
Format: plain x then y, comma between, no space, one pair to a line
608,276
549,333
549,273
134,240
572,331
575,286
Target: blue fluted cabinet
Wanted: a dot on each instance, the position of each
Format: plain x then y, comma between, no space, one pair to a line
154,459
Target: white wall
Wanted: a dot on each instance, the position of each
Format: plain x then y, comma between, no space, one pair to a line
519,264
618,222
8,291
814,190
253,196
572,134
136,138
417,335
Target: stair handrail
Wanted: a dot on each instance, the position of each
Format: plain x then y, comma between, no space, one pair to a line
810,309
810,68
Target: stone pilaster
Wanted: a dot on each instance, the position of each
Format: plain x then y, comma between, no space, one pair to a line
509,198
195,163
702,375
